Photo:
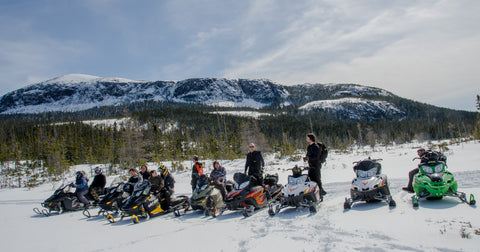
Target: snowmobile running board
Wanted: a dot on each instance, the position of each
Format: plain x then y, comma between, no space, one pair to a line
459,195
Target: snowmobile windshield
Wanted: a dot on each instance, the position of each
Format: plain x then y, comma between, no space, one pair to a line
367,174
116,181
243,185
297,180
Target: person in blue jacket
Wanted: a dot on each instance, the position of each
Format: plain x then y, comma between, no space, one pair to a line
81,185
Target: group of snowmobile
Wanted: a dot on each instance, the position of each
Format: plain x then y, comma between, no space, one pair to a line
245,194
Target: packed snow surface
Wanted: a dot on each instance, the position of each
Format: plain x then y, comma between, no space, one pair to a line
443,225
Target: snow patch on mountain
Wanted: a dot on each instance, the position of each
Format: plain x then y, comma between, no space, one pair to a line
354,108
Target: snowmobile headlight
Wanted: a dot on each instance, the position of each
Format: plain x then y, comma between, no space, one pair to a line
427,169
367,174
438,168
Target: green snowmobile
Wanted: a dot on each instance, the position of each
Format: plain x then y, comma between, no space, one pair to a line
433,181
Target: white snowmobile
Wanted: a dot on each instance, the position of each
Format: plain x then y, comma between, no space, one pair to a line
299,192
369,185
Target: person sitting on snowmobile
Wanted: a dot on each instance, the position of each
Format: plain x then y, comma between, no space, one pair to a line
168,188
144,172
98,185
156,181
421,154
219,176
81,185
134,179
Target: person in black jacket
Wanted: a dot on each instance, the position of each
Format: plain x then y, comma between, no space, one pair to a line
168,189
98,185
144,172
134,179
254,164
314,162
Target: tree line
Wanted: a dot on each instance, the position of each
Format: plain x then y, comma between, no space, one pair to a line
159,132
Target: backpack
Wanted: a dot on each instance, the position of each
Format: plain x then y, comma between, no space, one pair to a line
323,152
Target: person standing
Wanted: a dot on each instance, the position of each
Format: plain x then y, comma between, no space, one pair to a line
98,185
314,158
254,164
197,170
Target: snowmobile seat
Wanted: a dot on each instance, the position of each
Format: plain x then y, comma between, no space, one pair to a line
271,179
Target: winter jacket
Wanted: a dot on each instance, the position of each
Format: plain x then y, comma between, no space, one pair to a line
145,175
81,184
169,182
99,181
220,173
157,183
313,155
254,163
134,180
197,170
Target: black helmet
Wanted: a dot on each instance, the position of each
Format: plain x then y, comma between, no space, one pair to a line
98,169
79,174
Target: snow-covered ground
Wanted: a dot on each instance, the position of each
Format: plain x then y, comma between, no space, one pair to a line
434,226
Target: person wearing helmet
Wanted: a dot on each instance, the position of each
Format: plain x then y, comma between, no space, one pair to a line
409,188
81,185
98,185
168,189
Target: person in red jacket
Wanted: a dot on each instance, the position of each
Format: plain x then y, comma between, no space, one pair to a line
197,170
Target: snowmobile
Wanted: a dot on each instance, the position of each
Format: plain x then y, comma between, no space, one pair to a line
112,201
369,185
207,197
61,201
433,181
298,192
142,203
246,195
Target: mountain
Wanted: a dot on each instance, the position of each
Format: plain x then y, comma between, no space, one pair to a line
77,92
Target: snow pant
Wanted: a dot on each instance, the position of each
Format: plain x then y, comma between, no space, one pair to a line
166,195
81,197
222,189
315,175
194,182
411,174
95,192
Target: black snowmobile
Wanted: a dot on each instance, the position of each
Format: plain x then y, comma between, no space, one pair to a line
369,185
112,201
248,196
142,203
298,192
62,200
207,197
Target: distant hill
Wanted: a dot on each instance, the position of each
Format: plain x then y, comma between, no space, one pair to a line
78,92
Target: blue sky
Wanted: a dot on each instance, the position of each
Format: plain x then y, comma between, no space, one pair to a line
425,50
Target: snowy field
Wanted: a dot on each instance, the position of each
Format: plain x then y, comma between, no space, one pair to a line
446,225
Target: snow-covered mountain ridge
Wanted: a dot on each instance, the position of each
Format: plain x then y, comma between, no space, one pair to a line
77,92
